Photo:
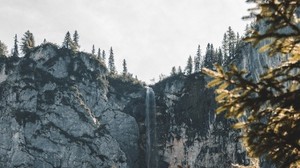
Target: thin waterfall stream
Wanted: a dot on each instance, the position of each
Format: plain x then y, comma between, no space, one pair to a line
150,123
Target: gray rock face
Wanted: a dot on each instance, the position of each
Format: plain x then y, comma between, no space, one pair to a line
190,134
62,109
55,113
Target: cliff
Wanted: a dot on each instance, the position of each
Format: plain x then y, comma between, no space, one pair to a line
58,110
63,109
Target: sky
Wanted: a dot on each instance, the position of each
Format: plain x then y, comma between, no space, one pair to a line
152,35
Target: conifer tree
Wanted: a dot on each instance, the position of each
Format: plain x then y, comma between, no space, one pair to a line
179,70
93,49
68,42
212,54
111,62
125,72
209,59
173,71
197,59
219,55
76,40
16,48
3,49
103,56
189,66
231,43
225,46
27,42
99,54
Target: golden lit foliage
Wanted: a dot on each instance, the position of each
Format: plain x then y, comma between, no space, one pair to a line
268,109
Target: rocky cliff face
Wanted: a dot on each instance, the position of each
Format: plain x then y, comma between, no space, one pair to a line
190,134
63,109
58,110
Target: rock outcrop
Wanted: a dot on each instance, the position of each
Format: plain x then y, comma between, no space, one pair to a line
190,133
63,109
56,112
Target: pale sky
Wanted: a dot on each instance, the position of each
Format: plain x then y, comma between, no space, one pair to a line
152,35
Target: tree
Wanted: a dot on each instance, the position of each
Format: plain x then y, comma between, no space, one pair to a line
210,57
225,46
219,55
27,43
76,40
231,39
173,71
189,66
179,70
125,72
15,52
3,49
103,56
111,62
269,107
197,60
93,49
99,54
68,42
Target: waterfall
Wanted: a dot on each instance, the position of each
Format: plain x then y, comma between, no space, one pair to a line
150,123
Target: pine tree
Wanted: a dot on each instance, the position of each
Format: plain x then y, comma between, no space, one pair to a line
76,40
93,49
3,49
197,59
68,43
16,49
212,54
111,62
209,57
103,56
225,46
231,43
99,54
189,66
125,72
173,71
219,55
27,42
179,70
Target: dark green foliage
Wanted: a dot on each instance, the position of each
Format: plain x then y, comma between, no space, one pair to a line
16,48
180,70
93,49
173,71
189,66
124,85
197,60
111,62
230,46
99,54
68,42
270,106
210,57
76,40
27,43
125,71
103,56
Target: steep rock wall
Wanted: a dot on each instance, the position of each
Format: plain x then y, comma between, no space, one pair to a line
189,133
56,112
